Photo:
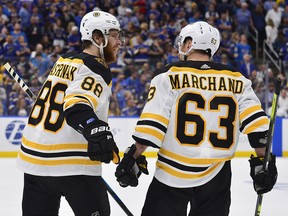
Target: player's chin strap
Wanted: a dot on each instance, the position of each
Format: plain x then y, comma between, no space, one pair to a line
184,55
101,46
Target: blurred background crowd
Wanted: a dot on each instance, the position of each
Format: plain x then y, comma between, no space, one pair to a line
34,33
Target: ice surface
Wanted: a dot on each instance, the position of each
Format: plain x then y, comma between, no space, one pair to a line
243,196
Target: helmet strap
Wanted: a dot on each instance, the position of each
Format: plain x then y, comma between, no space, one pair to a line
101,46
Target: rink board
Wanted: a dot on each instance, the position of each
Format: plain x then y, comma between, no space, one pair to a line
122,128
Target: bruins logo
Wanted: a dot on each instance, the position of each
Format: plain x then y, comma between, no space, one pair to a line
101,61
96,14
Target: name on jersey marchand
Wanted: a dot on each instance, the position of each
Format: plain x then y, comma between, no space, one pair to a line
210,83
64,71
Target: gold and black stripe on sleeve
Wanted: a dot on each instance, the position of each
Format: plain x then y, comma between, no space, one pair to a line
152,124
253,118
151,127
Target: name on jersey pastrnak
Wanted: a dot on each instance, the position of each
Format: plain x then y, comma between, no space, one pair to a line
64,71
210,83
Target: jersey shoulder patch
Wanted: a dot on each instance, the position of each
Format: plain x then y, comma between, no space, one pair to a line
96,65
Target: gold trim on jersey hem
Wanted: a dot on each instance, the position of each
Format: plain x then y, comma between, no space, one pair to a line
189,160
197,71
53,147
53,162
180,174
148,154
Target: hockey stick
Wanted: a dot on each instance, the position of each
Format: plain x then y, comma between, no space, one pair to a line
16,77
269,140
28,91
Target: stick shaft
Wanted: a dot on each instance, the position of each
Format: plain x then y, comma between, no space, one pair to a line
18,79
269,140
28,91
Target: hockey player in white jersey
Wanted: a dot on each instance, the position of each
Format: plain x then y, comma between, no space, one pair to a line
67,136
194,114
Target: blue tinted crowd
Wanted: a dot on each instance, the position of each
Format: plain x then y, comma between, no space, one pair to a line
34,33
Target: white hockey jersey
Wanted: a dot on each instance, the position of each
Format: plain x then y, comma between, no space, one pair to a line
50,147
194,114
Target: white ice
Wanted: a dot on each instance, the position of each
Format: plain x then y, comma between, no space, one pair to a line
243,196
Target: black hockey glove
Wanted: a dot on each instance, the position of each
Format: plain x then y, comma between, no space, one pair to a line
129,169
263,181
101,145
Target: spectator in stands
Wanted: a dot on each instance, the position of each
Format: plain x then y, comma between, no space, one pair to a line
212,13
23,48
47,44
55,53
224,59
241,48
24,14
282,109
271,32
3,16
268,4
153,13
243,19
121,9
9,50
23,67
38,49
39,16
78,16
131,81
247,66
285,13
17,32
172,55
258,18
141,84
53,13
34,32
74,40
224,24
40,64
155,51
118,94
275,14
224,6
59,34
114,108
66,16
235,38
260,93
20,108
270,93
140,51
130,110
129,17
226,42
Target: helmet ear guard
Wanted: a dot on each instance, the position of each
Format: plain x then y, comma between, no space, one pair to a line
204,38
